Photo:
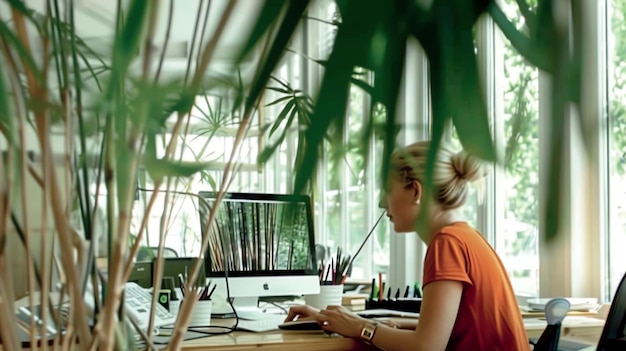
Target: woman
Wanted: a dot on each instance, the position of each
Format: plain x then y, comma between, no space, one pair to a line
468,301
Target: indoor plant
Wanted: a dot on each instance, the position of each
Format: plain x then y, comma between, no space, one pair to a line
123,123
108,119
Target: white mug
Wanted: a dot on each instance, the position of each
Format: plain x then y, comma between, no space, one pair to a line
201,314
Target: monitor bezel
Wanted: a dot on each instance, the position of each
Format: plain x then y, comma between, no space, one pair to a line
262,197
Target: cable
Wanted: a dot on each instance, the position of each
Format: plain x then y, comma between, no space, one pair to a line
229,329
364,241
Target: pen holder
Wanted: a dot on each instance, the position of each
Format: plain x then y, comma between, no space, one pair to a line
404,304
328,295
174,306
201,314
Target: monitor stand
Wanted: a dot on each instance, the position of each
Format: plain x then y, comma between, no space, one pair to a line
248,308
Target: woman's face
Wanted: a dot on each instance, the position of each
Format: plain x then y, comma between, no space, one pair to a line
400,204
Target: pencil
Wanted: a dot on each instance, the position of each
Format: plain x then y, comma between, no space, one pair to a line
380,286
327,274
208,297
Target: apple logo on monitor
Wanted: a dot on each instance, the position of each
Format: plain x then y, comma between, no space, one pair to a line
266,286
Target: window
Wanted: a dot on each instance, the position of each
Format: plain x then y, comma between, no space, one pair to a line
508,216
517,239
616,70
211,136
348,192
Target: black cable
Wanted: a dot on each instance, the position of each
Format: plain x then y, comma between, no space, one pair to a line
229,329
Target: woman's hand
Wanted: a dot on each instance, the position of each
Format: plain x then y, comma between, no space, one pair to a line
336,319
301,312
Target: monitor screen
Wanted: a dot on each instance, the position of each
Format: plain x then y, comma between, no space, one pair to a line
263,243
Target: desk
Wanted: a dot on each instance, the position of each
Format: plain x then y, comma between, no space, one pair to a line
576,328
278,341
573,326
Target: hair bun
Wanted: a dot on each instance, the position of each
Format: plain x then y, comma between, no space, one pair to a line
467,167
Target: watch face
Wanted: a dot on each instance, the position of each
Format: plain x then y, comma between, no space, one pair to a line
368,331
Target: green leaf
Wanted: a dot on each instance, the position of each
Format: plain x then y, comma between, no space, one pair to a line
285,31
543,34
7,126
270,13
465,95
162,168
14,43
281,116
556,140
363,85
278,90
388,81
523,44
353,40
126,44
279,100
529,16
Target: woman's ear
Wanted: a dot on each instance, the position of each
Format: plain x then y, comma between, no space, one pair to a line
417,192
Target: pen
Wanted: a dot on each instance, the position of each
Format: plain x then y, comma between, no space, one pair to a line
406,291
334,272
416,290
397,293
203,293
372,289
389,293
181,281
327,274
211,292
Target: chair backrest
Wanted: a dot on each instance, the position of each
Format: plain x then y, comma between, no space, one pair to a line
555,310
613,335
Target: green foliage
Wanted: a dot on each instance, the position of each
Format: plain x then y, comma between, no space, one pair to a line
617,108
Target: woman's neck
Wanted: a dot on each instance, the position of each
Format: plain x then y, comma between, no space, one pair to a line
441,219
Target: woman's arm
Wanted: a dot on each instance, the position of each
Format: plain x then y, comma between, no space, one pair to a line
403,323
440,306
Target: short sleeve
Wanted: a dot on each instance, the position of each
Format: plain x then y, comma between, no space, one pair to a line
446,259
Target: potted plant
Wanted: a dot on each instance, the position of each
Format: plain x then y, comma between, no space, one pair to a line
94,119
82,124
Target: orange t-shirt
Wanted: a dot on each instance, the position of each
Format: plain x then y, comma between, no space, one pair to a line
489,317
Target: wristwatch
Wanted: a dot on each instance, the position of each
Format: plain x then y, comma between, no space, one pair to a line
367,333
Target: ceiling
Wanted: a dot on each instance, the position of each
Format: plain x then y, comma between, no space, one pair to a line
95,23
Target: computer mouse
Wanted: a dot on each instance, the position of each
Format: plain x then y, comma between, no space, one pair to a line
306,324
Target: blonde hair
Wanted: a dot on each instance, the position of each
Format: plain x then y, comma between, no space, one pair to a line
452,172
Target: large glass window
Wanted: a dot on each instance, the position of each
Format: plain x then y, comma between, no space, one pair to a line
616,62
348,192
517,238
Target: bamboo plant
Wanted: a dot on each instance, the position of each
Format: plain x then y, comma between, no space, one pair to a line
103,144
107,138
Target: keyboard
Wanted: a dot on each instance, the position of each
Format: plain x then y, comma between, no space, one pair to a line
137,301
269,322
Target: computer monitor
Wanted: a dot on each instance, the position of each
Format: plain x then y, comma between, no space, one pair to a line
264,244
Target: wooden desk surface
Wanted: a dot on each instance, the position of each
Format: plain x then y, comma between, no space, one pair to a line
276,340
574,327
577,328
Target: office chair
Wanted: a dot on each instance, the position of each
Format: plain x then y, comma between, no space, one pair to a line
556,310
148,253
613,336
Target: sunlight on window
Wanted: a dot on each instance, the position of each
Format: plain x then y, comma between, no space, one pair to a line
517,241
617,139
